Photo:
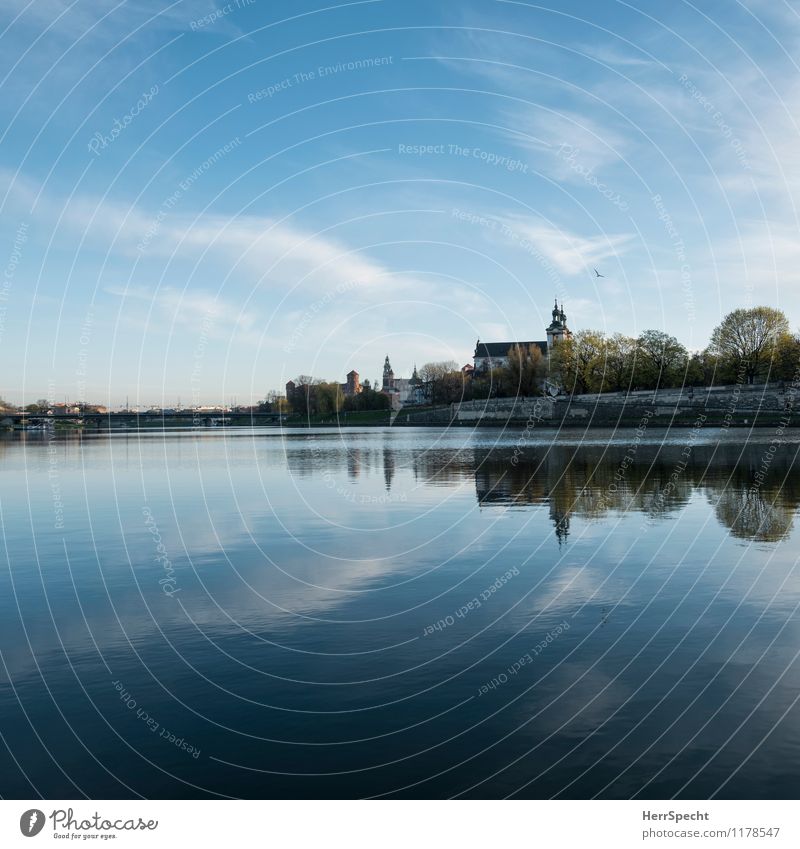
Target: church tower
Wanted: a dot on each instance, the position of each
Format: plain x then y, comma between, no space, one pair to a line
388,375
558,329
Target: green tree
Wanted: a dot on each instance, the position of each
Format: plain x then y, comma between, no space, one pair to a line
524,372
367,399
786,359
487,384
329,398
303,399
578,363
620,361
701,369
747,341
661,360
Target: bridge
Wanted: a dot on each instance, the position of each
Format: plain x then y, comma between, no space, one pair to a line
150,418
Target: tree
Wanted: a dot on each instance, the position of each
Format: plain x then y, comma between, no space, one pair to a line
303,399
747,341
445,379
786,360
438,370
367,399
524,371
620,361
578,363
329,398
486,384
701,369
660,360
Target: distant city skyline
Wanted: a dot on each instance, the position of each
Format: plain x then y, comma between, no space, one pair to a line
236,194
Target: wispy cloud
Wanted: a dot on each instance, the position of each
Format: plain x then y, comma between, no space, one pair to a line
569,252
191,307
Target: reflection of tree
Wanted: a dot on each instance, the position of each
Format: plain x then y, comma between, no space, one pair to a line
593,481
751,516
442,467
315,455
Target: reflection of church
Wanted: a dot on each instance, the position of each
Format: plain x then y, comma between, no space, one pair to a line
498,482
583,482
489,355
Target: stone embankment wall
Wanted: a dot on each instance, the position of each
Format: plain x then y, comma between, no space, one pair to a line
725,406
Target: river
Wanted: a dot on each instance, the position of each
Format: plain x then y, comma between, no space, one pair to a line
407,612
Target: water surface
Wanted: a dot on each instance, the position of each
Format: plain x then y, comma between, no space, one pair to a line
406,612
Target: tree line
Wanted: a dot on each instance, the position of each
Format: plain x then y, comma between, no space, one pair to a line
312,397
748,346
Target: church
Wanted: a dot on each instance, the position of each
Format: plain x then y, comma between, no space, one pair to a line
491,355
402,390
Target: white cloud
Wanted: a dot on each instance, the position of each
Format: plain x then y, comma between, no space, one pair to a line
596,144
189,307
569,252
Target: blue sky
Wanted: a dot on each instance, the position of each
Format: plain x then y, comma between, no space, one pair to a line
205,198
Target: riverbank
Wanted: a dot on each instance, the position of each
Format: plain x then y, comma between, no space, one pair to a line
770,405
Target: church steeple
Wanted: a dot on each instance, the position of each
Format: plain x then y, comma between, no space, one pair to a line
558,329
388,375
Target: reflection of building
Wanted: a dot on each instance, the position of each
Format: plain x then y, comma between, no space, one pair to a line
489,355
388,467
353,463
560,519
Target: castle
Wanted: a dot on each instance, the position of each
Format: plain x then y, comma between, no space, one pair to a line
401,390
353,384
491,355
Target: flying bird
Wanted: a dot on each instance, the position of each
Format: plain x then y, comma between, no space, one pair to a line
598,274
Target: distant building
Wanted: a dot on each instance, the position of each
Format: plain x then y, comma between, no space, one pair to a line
418,390
402,390
353,384
490,355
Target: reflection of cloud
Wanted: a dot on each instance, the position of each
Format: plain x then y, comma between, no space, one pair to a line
586,696
572,586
